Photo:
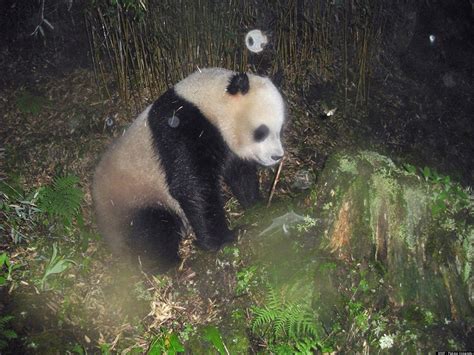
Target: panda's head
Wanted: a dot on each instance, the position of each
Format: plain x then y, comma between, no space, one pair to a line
247,109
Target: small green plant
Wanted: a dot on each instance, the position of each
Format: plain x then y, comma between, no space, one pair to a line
6,269
244,279
307,224
358,314
357,311
411,169
62,199
233,251
288,327
445,192
166,343
56,265
29,103
213,335
6,333
237,314
78,349
187,332
232,254
105,348
448,196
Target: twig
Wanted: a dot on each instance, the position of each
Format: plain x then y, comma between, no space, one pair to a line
42,20
225,348
275,181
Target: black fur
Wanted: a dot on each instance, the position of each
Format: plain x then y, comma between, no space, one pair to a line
242,178
148,223
195,157
239,83
261,133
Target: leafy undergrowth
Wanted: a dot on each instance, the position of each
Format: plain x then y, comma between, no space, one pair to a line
63,292
56,278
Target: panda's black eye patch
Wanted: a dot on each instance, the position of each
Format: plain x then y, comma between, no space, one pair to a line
261,133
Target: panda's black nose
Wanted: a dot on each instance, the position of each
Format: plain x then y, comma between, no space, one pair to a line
277,157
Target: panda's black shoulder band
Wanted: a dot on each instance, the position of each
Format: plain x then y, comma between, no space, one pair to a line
238,83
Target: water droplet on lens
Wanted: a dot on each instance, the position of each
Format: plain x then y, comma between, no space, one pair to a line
173,121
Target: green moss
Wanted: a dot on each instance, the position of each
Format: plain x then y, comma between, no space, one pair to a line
383,192
347,165
415,204
468,246
377,160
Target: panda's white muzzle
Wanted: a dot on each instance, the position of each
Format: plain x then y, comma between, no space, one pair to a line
271,156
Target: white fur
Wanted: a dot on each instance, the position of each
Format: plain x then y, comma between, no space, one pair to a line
128,177
237,116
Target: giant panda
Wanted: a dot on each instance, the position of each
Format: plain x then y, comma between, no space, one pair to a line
162,178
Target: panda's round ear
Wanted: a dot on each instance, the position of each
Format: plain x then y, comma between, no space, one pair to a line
239,83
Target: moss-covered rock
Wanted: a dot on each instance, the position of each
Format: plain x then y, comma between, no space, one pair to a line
379,212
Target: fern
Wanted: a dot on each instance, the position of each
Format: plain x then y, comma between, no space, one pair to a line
62,199
282,321
262,317
306,346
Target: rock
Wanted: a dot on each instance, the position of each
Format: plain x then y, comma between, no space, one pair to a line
382,213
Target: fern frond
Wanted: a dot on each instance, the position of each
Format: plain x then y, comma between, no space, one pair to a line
61,199
293,319
283,320
274,301
262,317
4,320
306,346
306,326
9,334
280,326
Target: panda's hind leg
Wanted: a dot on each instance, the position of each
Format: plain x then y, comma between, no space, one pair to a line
155,235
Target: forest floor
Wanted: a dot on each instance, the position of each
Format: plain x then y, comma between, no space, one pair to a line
57,124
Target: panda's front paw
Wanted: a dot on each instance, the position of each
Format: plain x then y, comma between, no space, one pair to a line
208,244
230,236
215,243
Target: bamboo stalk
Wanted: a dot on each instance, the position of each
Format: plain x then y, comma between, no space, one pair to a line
275,181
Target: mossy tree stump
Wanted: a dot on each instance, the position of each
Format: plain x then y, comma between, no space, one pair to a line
417,228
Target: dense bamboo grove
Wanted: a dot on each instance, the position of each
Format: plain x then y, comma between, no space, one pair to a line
149,45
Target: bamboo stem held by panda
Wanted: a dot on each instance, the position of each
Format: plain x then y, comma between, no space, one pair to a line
275,181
